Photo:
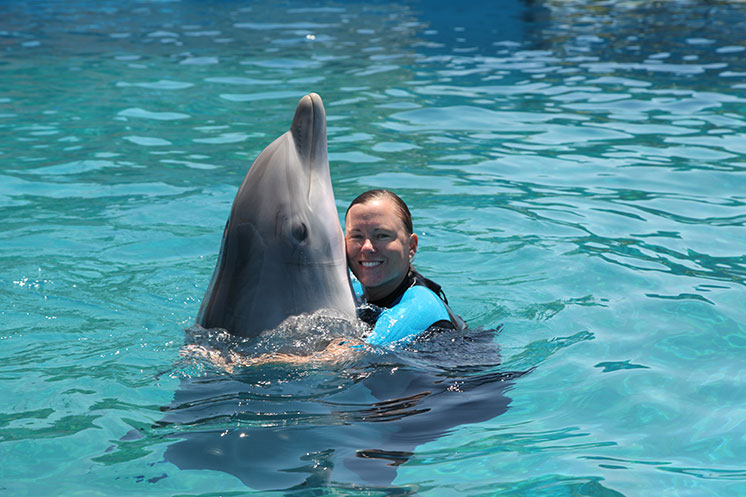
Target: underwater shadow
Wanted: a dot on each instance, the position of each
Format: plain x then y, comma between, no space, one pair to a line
284,428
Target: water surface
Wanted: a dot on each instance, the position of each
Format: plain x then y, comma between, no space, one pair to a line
575,170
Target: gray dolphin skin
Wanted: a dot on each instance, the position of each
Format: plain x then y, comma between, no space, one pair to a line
283,251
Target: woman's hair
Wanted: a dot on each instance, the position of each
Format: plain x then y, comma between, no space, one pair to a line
401,207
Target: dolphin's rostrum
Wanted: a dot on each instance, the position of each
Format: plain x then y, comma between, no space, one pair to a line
282,252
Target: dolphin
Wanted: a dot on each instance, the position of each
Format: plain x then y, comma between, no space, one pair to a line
282,252
331,428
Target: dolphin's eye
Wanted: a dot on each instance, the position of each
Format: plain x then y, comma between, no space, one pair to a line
300,231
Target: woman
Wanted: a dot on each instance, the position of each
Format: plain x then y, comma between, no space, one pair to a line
380,245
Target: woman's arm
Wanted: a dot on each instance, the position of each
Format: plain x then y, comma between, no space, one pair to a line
338,350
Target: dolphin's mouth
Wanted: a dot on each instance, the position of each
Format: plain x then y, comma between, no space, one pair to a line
309,116
312,131
308,132
329,263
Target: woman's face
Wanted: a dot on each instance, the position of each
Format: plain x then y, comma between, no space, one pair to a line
379,248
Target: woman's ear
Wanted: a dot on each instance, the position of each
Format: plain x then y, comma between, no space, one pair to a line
412,245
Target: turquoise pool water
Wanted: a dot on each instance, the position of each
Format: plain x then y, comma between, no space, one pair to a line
576,173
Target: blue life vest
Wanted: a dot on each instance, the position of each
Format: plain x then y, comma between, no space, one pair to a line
415,308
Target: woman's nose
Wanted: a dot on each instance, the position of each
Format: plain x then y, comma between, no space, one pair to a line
367,246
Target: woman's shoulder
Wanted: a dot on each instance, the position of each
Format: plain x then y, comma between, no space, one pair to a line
422,298
418,309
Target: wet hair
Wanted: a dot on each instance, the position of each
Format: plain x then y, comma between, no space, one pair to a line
380,194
